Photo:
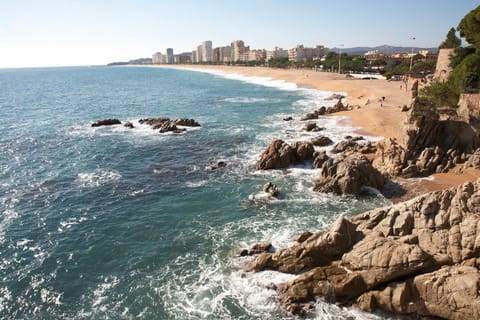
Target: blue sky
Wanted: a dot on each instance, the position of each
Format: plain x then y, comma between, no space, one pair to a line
90,32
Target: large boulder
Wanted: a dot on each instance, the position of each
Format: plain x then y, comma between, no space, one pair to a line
347,174
303,151
278,154
321,141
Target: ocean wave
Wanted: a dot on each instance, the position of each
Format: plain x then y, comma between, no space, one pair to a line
250,100
97,178
263,81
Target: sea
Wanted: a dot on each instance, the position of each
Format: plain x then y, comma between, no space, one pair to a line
120,223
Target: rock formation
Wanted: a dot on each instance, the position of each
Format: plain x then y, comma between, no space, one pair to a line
416,257
432,145
168,125
347,174
106,122
321,141
280,154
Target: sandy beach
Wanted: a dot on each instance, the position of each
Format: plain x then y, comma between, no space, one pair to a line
374,117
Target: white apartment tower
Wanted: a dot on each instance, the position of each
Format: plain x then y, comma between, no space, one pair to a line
157,58
207,52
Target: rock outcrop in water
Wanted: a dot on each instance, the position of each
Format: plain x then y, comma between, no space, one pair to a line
168,125
347,174
280,154
106,122
418,257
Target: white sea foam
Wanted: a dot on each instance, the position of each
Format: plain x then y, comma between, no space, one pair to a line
249,100
263,81
97,178
195,184
101,293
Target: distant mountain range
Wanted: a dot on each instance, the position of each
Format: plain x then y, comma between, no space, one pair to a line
135,61
384,49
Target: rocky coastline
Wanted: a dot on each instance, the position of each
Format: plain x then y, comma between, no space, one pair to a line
417,257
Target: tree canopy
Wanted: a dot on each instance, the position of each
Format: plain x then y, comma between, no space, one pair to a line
452,41
469,28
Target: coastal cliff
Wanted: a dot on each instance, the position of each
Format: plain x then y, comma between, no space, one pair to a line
416,257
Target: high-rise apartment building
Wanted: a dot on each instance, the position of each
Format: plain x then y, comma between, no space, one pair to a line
157,58
170,56
207,51
238,48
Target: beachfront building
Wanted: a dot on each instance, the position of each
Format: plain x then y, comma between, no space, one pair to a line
207,51
157,58
199,54
170,57
222,54
276,53
183,58
204,52
301,53
194,56
238,48
253,55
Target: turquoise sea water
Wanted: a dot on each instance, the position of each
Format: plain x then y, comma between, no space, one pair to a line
117,223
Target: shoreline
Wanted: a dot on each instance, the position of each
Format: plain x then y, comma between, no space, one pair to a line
370,116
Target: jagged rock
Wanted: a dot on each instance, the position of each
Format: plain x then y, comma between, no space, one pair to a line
390,158
436,145
417,257
347,174
106,122
319,159
256,249
318,250
473,161
345,145
321,111
187,122
155,123
310,116
278,154
302,237
351,145
449,293
312,126
303,151
168,125
128,124
271,189
321,141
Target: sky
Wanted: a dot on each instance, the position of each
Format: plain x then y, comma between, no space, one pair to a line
37,33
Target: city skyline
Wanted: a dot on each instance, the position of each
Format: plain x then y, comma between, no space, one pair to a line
63,33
